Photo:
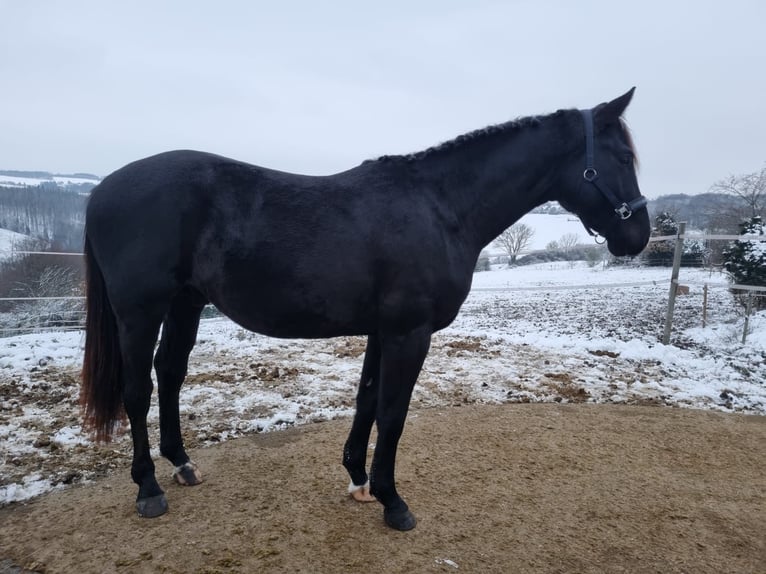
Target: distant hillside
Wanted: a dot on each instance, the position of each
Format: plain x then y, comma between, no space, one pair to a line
46,206
46,211
77,182
46,174
717,212
550,208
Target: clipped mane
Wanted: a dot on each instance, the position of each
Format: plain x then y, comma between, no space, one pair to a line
476,135
469,138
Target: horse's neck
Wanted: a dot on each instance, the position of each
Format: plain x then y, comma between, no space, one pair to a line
492,188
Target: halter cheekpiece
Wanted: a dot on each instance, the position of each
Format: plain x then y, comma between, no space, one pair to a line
623,209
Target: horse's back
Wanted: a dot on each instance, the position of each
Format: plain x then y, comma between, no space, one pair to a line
241,235
174,176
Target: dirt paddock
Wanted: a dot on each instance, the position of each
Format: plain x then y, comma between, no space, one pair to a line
506,488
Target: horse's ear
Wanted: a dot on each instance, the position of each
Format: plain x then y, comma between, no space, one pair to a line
610,112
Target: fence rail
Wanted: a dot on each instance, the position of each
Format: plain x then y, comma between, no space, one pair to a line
566,287
703,236
14,252
72,298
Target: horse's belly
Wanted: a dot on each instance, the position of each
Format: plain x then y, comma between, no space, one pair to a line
296,327
291,315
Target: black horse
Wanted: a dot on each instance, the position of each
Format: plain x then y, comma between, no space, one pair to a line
386,249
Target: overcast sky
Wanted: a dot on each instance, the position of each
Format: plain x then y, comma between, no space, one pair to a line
317,87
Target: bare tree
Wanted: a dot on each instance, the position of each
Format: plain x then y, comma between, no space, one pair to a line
567,242
750,188
514,239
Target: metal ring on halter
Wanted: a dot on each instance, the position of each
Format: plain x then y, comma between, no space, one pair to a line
595,238
624,211
590,174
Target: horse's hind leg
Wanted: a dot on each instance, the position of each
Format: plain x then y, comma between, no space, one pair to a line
179,333
137,338
355,451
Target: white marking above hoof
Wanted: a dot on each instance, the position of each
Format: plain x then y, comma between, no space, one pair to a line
361,493
179,476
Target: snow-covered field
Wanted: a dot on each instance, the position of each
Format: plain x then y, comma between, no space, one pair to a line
10,240
24,181
520,337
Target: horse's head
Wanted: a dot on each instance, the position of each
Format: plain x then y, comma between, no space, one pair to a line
599,183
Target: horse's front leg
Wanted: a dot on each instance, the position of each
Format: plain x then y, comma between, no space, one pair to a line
355,450
402,357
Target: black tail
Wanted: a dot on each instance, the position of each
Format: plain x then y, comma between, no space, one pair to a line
101,391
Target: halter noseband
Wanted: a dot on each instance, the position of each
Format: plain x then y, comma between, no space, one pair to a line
623,209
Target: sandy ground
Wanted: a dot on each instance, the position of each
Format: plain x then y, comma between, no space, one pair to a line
500,488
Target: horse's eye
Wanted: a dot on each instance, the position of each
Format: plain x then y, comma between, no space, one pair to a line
627,159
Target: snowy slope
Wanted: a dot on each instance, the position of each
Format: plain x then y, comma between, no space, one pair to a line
28,181
10,240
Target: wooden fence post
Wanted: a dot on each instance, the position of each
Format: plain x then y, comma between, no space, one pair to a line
704,306
674,281
748,310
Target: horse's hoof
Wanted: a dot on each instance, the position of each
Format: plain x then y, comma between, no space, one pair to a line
361,493
152,506
187,474
400,520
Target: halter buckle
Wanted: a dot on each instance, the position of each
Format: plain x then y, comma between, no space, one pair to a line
590,174
624,211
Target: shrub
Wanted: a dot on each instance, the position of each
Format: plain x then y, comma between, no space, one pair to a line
745,261
482,263
660,253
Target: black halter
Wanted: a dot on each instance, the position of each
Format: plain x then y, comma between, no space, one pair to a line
622,209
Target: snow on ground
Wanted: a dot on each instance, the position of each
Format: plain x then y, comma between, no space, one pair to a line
20,181
10,240
520,337
24,181
68,180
